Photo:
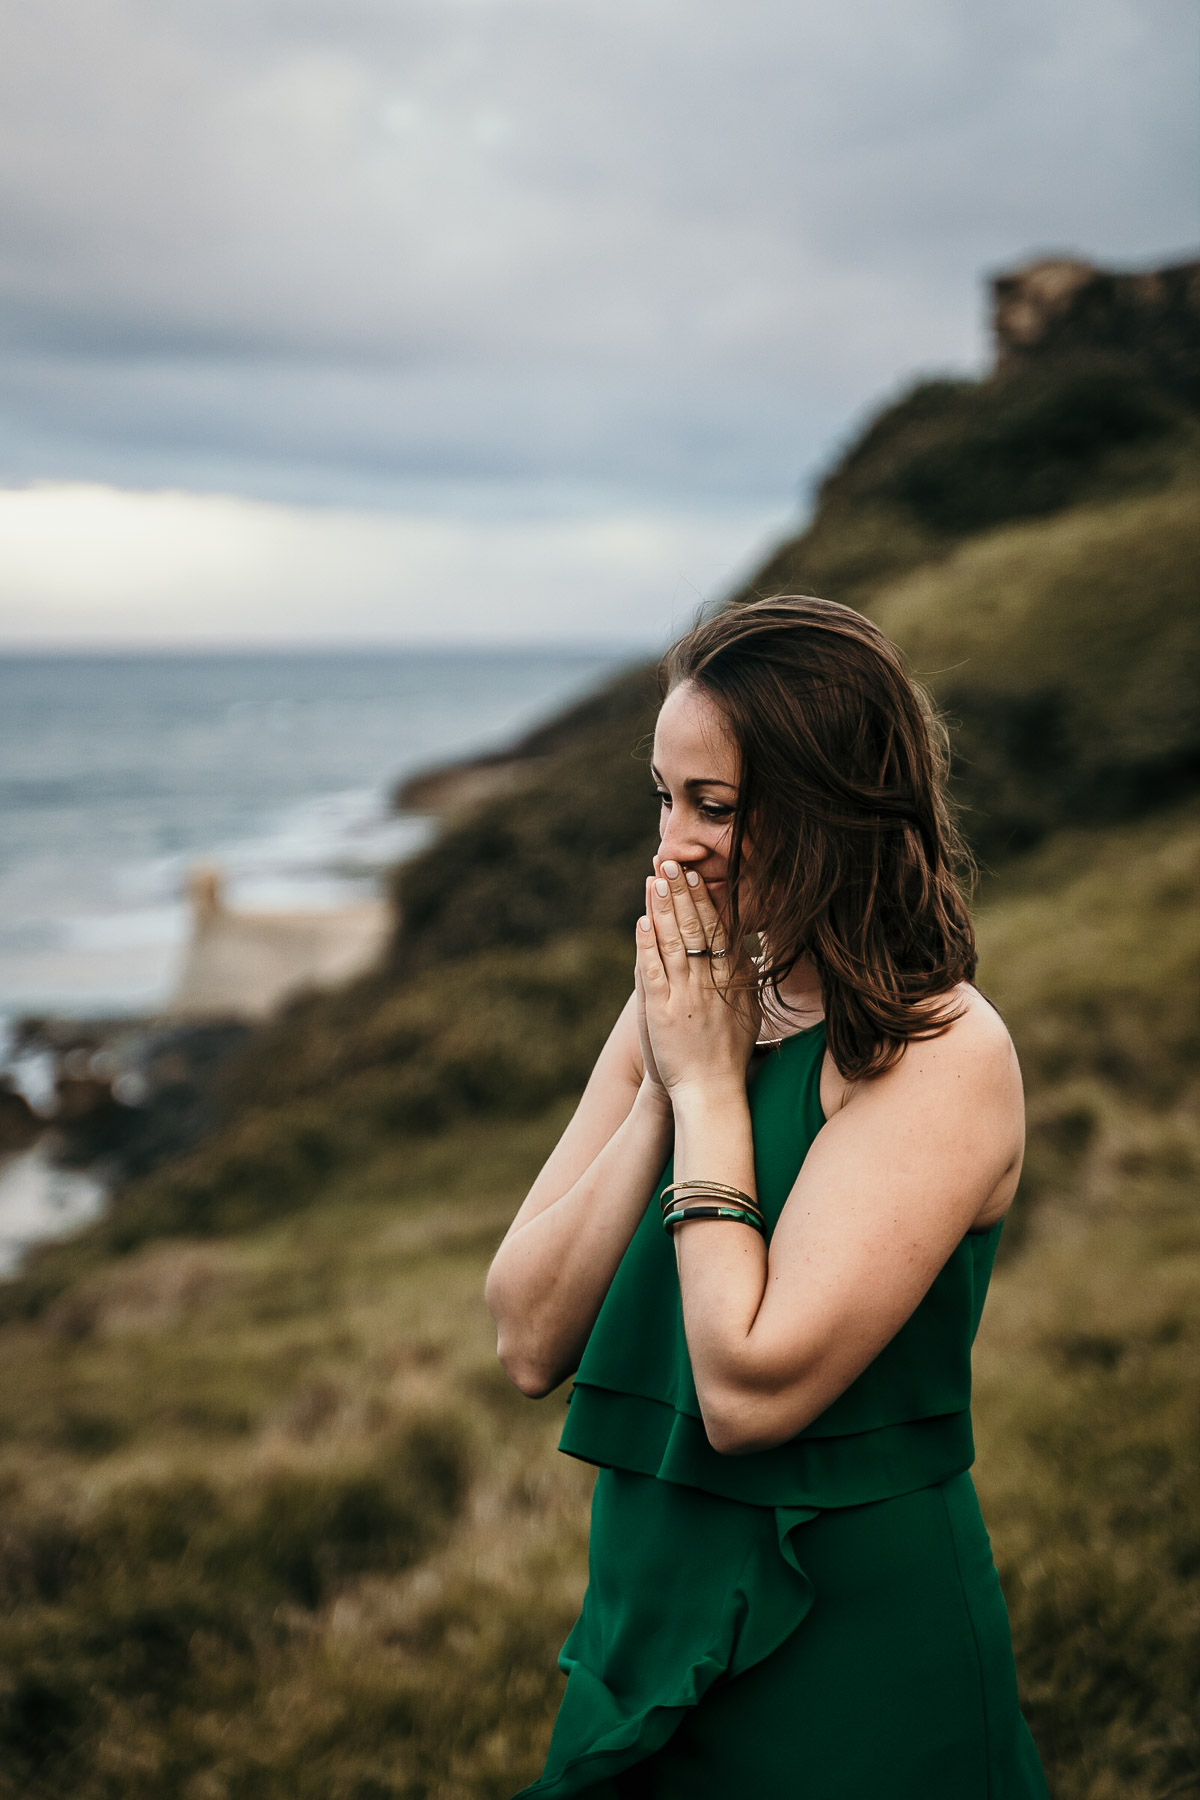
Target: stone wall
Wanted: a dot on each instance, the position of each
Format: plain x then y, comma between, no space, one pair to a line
244,965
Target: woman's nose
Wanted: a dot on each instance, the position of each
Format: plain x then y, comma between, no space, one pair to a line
678,844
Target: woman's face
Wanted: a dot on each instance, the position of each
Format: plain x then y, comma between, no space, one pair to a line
695,769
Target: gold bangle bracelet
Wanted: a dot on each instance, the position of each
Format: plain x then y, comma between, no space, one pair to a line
688,1196
700,1185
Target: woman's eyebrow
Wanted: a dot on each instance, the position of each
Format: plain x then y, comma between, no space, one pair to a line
698,781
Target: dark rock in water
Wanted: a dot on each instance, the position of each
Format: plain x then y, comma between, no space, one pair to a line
19,1124
88,1121
169,1088
129,1094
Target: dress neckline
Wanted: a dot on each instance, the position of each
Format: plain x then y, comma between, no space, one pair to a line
778,1042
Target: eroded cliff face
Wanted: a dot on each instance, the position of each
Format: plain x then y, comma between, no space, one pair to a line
1061,305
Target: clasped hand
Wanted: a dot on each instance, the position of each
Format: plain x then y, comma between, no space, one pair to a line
697,1017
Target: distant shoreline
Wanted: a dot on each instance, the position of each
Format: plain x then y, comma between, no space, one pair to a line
124,768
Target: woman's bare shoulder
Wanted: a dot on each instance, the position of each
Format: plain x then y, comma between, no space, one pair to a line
973,1043
954,1097
976,1030
972,1051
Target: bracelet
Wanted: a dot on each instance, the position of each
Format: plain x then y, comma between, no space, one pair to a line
716,1209
718,1191
712,1187
735,1214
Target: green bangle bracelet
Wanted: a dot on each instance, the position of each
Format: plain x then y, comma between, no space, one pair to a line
736,1214
734,1217
740,1202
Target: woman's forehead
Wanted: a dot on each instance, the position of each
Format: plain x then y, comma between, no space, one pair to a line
692,739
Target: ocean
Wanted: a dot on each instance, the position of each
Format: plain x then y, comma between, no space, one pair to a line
119,772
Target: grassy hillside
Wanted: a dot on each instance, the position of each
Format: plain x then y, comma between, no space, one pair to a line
273,1524
953,458
1067,653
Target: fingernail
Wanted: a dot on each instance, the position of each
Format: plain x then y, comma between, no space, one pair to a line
661,889
693,880
671,869
643,924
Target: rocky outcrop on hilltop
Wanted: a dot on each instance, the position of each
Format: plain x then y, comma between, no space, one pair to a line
1060,306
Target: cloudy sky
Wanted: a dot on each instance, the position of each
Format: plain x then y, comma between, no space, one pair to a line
448,319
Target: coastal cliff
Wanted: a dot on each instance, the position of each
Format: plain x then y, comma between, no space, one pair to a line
276,1524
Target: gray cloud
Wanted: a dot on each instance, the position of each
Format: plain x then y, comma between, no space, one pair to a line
334,248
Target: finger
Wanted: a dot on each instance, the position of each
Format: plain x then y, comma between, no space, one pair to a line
706,912
691,929
649,966
650,904
666,927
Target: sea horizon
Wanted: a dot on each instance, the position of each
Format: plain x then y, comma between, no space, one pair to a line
122,767
104,649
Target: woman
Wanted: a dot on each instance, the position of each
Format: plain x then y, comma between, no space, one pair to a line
791,1591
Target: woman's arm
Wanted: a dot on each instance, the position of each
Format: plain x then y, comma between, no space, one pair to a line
889,1187
554,1267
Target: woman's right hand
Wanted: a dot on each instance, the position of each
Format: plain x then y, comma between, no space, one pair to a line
653,1077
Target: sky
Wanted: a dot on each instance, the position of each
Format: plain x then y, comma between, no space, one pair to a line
512,320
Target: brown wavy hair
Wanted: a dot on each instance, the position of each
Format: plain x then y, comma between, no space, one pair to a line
843,838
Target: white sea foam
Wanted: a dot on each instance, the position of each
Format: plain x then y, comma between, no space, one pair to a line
39,1200
119,774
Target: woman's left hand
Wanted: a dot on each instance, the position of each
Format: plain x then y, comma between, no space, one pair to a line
701,1018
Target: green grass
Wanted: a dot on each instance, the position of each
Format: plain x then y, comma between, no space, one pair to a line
1088,1364
294,1548
1086,1408
950,459
1067,654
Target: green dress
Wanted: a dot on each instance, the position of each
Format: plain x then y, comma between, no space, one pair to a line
819,1621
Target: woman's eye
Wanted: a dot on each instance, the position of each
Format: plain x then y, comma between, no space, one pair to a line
719,815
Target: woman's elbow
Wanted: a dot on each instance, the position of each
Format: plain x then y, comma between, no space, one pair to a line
521,1356
739,1423
533,1374
527,1376
735,1434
